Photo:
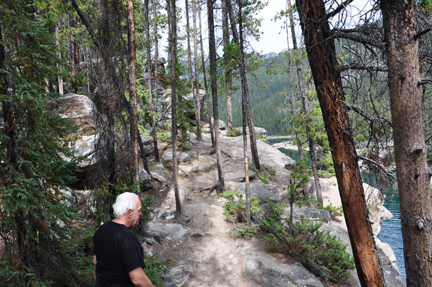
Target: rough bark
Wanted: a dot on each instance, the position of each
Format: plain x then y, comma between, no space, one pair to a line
238,38
133,99
212,53
205,81
322,59
409,144
228,69
150,87
311,140
173,25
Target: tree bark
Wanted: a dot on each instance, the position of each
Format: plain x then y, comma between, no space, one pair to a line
302,87
245,91
410,149
196,96
133,116
322,59
212,53
74,55
149,74
205,81
173,25
228,69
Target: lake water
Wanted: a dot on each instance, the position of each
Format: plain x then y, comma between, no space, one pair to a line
391,232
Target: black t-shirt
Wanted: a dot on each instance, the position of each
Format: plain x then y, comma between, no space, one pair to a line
118,251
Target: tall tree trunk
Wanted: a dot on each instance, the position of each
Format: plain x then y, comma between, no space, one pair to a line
410,150
173,25
212,53
245,91
293,99
197,96
74,55
228,68
133,90
149,74
311,140
205,80
322,59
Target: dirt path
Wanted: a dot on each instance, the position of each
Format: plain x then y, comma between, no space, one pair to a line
207,252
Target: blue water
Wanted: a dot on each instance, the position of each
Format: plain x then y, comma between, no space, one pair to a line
391,232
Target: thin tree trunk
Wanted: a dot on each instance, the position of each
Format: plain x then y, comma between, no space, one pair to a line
60,79
149,74
293,100
205,80
173,25
245,91
228,80
197,96
322,59
311,140
410,150
133,90
212,53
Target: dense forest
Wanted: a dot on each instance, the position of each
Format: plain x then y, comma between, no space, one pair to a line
356,76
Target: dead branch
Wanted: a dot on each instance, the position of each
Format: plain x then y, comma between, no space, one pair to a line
390,174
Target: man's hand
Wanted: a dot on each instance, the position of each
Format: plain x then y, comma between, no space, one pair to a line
139,278
94,266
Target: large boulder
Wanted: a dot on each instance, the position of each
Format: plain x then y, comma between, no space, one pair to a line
261,191
182,157
262,132
79,110
267,271
308,213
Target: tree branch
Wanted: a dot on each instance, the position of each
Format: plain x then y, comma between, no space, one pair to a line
344,34
390,174
338,9
424,81
357,66
422,33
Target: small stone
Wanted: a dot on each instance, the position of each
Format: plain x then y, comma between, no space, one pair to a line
197,233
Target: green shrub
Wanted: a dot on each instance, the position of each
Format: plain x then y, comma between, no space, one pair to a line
334,210
155,268
235,211
323,254
234,133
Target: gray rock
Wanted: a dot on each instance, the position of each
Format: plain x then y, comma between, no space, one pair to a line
197,233
145,179
178,276
163,213
239,176
193,153
391,275
261,191
174,231
266,270
148,149
308,213
222,125
147,140
159,175
182,157
202,167
69,197
258,131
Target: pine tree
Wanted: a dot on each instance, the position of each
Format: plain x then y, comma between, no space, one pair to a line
36,224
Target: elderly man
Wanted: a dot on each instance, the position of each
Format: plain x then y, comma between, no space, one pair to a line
119,256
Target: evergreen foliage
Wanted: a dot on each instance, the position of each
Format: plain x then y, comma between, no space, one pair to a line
37,229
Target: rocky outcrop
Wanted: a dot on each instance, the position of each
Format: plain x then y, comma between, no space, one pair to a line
262,132
267,271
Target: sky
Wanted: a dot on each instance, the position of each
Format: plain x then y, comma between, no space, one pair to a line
274,35
273,38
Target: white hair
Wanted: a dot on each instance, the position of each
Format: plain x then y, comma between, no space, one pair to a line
124,202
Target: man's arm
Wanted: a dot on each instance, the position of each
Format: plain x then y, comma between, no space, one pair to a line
139,278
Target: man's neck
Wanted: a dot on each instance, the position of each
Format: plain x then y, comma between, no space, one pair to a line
120,220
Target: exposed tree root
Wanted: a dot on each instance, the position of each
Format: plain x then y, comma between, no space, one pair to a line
218,186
